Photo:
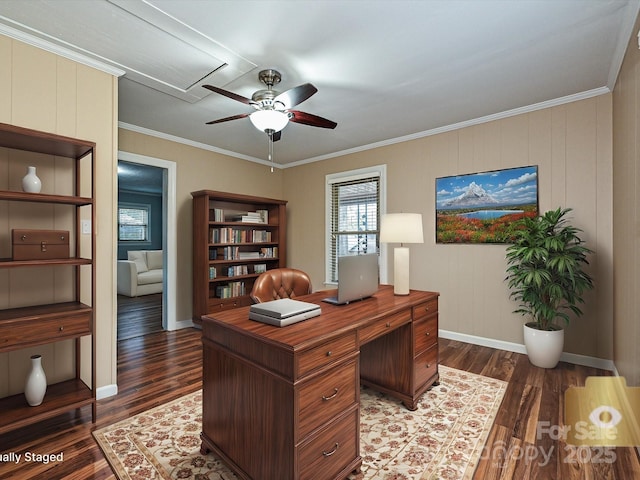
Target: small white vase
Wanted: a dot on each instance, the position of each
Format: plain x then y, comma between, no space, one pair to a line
544,348
36,385
30,182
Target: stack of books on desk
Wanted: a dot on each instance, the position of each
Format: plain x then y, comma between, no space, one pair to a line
283,312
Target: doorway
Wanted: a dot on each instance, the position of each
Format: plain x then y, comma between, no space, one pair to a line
150,183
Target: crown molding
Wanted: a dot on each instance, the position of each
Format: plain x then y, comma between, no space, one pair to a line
457,126
52,47
192,143
427,133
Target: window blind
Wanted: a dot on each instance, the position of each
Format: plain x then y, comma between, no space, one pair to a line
355,219
133,224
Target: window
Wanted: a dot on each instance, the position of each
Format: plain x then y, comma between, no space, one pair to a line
354,201
133,223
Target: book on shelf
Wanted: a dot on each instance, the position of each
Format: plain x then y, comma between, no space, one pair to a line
248,255
237,235
230,290
260,268
230,253
251,217
218,215
269,252
212,272
235,270
257,216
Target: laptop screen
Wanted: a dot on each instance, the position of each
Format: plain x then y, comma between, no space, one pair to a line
358,277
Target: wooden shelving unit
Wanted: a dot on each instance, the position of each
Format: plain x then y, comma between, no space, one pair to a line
43,324
223,241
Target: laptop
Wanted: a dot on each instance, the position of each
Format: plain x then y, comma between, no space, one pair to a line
357,278
284,311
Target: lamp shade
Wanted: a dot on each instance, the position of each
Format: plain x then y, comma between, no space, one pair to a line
401,228
265,120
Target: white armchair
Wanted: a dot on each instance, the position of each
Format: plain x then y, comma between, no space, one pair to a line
141,273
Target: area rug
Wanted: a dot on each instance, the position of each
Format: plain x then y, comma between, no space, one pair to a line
443,439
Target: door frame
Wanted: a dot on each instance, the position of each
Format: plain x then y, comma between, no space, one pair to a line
169,233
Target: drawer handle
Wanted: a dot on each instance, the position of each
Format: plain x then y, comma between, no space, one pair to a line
426,309
329,353
388,324
61,328
428,365
331,452
427,334
335,392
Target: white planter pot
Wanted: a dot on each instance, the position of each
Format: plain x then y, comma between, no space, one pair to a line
543,347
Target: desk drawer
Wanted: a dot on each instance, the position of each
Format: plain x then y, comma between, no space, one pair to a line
426,333
332,450
326,396
383,326
326,353
425,309
426,366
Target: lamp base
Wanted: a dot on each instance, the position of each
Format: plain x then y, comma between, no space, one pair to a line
401,271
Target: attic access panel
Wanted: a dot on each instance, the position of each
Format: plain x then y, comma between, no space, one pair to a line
188,58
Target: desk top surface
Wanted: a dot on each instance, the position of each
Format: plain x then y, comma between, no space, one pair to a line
334,320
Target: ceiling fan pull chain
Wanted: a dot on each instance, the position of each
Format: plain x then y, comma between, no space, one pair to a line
270,135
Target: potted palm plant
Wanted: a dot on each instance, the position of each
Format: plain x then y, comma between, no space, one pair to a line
545,271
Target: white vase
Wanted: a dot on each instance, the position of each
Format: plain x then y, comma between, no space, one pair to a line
30,182
36,385
544,348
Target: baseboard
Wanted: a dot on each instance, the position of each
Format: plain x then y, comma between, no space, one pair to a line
106,391
520,348
184,324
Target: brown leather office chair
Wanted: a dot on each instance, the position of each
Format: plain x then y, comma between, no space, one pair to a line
280,283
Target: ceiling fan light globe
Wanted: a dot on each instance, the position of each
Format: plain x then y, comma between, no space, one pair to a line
265,120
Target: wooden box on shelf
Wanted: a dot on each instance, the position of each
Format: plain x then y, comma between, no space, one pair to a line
39,244
235,238
46,323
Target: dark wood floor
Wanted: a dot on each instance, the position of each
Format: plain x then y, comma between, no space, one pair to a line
139,315
159,367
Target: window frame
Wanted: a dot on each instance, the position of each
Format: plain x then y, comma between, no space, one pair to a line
135,206
379,171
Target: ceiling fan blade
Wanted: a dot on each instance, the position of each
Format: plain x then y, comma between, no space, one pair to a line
296,95
231,95
226,119
309,119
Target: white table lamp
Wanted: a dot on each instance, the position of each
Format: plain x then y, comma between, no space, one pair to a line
401,228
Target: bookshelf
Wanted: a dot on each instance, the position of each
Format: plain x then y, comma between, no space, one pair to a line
41,318
235,238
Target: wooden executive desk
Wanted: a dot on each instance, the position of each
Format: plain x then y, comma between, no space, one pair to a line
284,403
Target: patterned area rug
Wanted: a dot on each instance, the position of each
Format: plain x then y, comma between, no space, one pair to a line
442,439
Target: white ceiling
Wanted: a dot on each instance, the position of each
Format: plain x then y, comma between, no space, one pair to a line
386,71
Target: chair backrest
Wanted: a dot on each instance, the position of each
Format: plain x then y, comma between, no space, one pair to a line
280,283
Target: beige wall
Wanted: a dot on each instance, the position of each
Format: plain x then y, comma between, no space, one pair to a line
571,144
626,214
43,91
199,169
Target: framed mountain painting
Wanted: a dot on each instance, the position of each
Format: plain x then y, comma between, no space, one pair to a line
483,207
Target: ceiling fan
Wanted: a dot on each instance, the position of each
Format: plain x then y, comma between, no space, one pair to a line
274,109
